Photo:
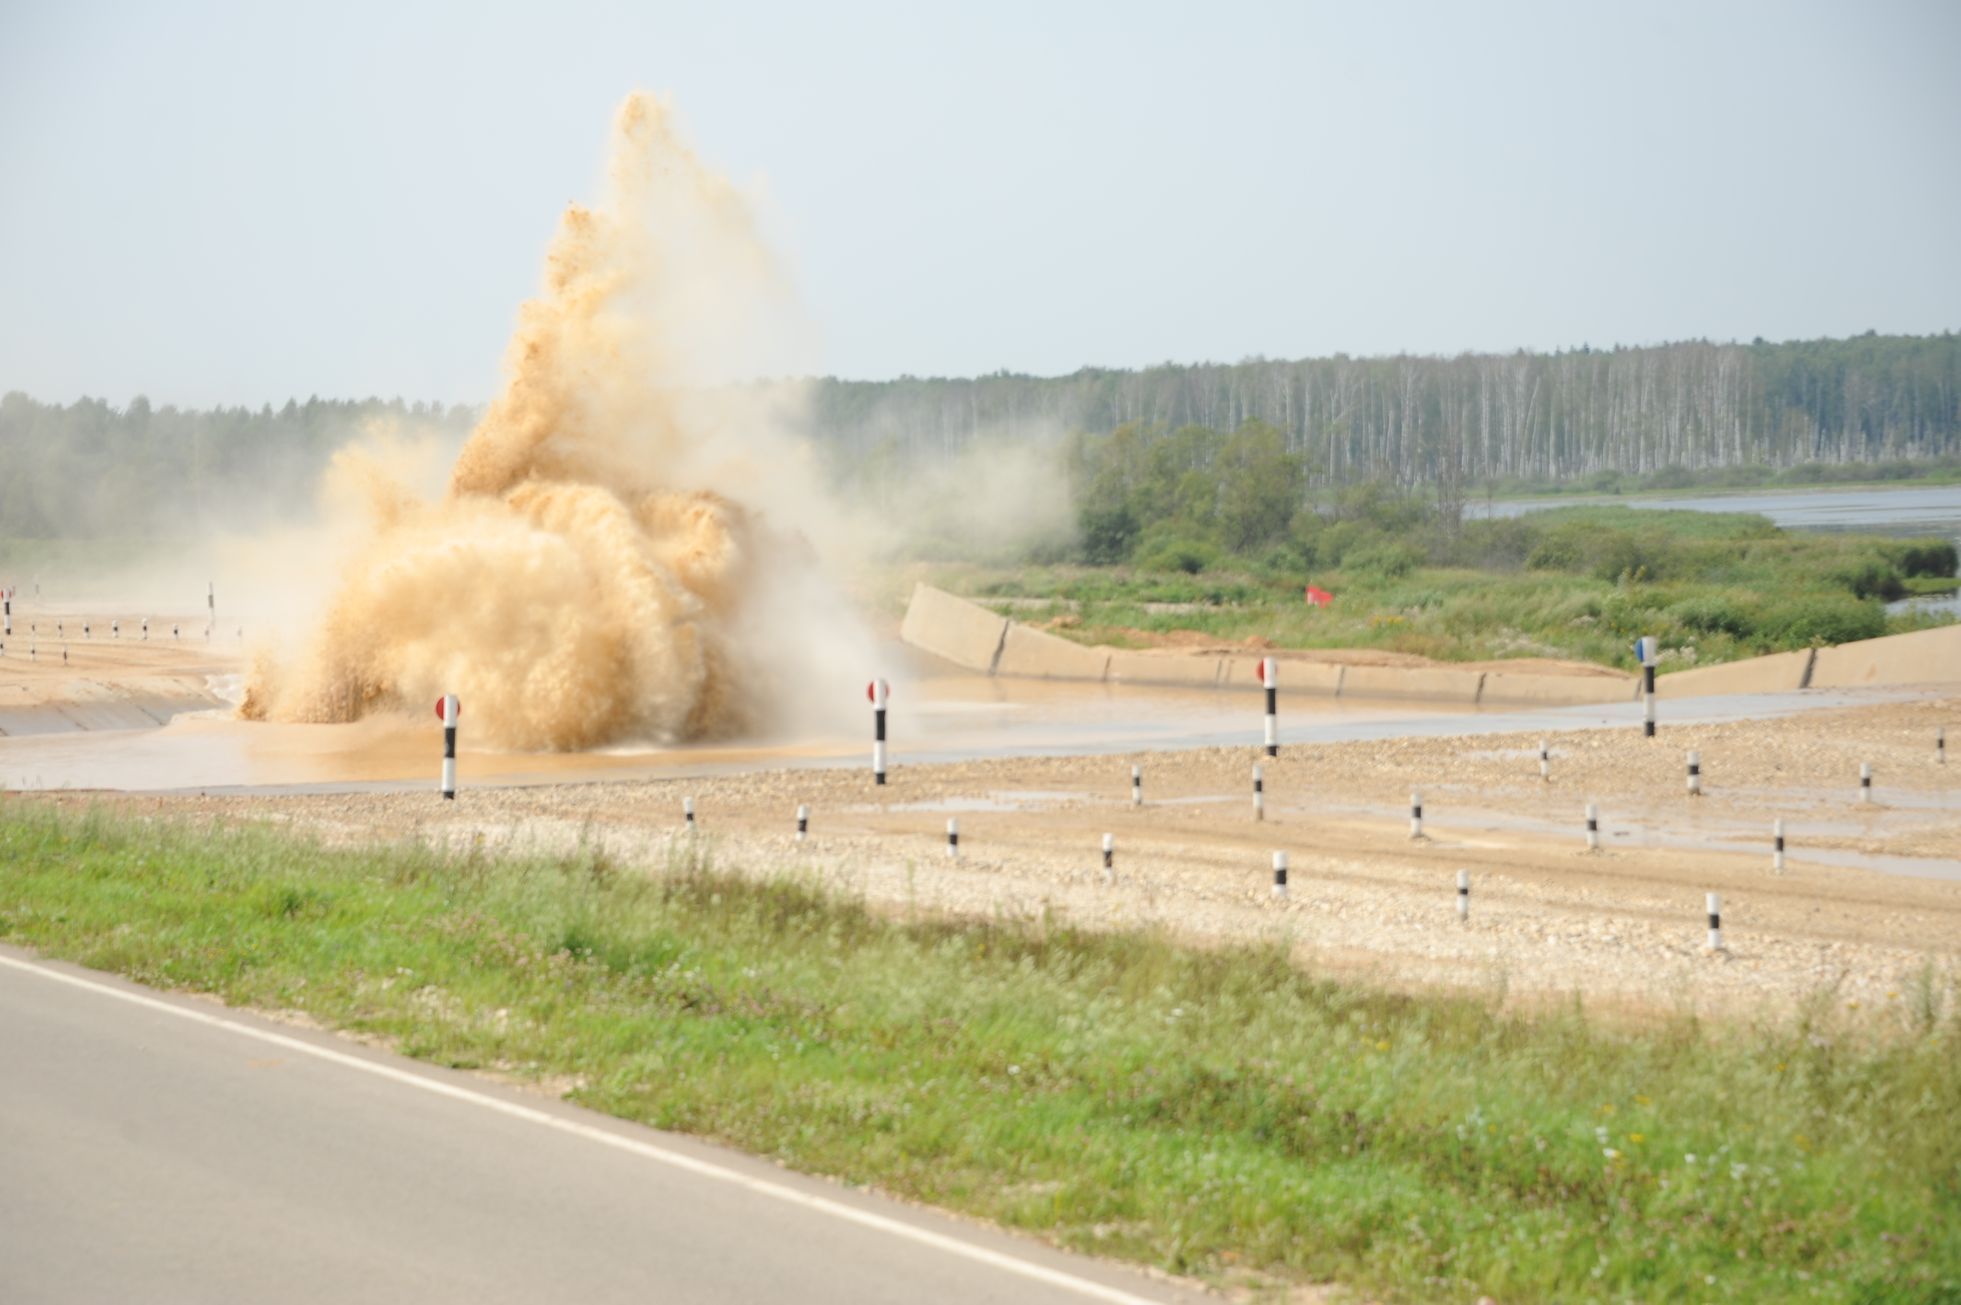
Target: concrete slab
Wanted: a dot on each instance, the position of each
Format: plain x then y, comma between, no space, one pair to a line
1322,678
1923,657
1777,673
1035,655
1429,683
1130,667
964,633
1524,688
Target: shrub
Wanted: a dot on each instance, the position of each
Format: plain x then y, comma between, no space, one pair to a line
1179,554
1926,557
1823,619
1387,559
1867,577
1714,614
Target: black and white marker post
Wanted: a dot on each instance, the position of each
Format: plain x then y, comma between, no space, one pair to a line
1714,901
1259,792
447,709
1109,858
1777,845
1464,895
1280,875
7,597
1695,774
803,823
1644,649
879,692
952,838
1865,781
688,813
1270,678
1416,815
1593,827
1137,786
1545,763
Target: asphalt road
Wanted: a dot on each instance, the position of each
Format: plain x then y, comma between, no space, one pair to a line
159,1149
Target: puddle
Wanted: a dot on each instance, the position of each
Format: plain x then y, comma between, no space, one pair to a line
1000,800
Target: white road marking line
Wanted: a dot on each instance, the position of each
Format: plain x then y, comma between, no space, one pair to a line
646,1150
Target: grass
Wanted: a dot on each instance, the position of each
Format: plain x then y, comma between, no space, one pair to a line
1217,1112
1579,583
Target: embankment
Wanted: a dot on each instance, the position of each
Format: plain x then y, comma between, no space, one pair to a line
971,636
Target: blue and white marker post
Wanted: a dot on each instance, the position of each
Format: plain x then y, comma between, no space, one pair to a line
879,692
1270,678
1645,650
447,710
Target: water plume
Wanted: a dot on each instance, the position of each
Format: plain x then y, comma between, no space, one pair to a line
624,548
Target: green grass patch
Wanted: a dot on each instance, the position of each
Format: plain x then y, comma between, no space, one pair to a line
1216,1112
1580,583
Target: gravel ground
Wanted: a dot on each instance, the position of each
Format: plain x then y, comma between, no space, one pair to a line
1867,914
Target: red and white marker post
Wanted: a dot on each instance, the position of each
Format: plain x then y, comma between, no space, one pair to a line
1270,677
447,710
879,692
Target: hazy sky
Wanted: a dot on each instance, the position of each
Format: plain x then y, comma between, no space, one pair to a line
214,203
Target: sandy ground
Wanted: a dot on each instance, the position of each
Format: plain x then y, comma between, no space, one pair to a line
1867,911
73,656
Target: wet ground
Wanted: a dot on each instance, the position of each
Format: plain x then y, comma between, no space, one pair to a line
935,719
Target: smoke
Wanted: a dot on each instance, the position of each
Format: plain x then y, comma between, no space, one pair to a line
1000,499
627,547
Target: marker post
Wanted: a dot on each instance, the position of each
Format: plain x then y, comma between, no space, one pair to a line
1645,649
447,710
879,693
1270,678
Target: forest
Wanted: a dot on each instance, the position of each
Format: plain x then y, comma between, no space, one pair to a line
1219,455
1454,425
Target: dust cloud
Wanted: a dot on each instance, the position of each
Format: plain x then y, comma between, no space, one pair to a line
628,546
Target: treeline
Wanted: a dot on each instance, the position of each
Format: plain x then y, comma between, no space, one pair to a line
1452,424
88,469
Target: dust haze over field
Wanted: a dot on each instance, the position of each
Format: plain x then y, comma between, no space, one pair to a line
627,547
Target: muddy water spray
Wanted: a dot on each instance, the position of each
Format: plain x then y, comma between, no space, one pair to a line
622,540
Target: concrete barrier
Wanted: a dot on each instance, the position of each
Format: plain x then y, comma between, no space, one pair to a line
1034,655
1432,684
1526,688
1323,678
1923,657
1128,667
964,633
1777,673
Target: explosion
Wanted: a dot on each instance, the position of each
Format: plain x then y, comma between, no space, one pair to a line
600,550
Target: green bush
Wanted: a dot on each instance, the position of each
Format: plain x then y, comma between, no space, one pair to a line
1926,557
1820,619
1179,554
1715,614
1867,577
1392,561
